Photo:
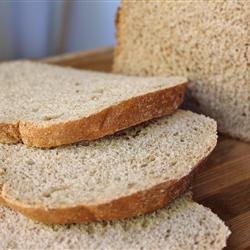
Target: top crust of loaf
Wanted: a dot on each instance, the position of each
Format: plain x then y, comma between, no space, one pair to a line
183,225
46,105
130,173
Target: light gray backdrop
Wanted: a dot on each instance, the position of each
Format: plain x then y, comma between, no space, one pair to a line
39,28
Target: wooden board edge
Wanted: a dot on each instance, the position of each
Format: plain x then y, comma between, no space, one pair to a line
86,54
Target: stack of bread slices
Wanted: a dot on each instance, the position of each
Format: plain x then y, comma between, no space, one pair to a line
100,161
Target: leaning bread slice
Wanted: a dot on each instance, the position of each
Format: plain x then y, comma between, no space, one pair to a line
46,106
183,225
120,176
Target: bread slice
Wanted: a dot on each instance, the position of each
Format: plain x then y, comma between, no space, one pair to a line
134,172
183,225
46,106
207,41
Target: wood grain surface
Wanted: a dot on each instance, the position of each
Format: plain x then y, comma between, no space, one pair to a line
223,184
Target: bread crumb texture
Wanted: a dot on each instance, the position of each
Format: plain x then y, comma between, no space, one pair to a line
100,171
47,106
183,225
47,94
207,41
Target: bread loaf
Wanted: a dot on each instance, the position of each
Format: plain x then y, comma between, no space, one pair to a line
207,41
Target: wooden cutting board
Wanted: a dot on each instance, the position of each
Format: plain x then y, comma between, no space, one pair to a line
223,184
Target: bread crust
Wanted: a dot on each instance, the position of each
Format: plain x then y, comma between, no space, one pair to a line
141,202
108,121
2,202
117,49
9,133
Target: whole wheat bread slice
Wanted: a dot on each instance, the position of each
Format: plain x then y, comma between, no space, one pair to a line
207,41
46,106
183,225
136,171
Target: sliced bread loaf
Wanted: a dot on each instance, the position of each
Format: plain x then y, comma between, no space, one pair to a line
207,41
183,225
46,106
134,172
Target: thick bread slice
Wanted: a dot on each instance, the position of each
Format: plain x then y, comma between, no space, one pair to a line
46,106
207,41
137,171
183,225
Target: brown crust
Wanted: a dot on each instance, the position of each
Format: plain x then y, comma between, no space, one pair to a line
117,34
2,202
9,133
114,118
137,203
120,33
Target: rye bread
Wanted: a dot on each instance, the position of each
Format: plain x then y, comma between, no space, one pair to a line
47,106
133,172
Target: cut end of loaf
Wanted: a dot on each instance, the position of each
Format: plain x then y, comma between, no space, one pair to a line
208,41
